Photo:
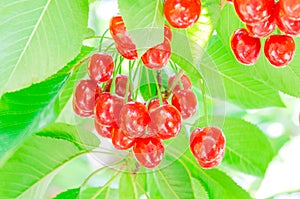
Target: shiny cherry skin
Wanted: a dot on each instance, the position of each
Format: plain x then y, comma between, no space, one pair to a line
262,29
185,82
107,109
165,122
85,97
186,102
123,41
155,103
279,50
208,146
168,32
245,48
253,11
291,8
100,67
104,131
182,13
158,56
121,84
134,119
149,151
120,140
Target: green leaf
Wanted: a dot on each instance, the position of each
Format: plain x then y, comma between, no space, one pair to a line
38,38
107,193
145,26
41,156
241,87
199,190
69,194
127,189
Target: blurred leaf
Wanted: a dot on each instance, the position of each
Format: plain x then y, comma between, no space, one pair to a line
41,156
69,194
38,39
145,26
199,190
152,187
127,189
106,193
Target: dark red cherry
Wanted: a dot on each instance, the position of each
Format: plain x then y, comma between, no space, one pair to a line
165,121
107,109
149,151
286,24
121,84
182,13
186,102
154,103
185,82
100,67
291,8
157,56
208,146
120,140
279,50
168,32
245,48
104,131
85,97
134,118
253,11
262,29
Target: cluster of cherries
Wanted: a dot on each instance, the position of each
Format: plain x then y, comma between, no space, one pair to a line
143,126
261,19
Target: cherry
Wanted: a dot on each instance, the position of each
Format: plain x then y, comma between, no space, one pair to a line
134,119
85,96
182,13
208,146
157,56
279,50
107,109
120,140
100,67
104,131
122,39
262,29
291,8
185,81
168,32
253,11
155,103
121,84
245,48
149,151
186,102
165,121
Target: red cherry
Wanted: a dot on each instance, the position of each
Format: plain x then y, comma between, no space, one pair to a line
100,67
286,24
121,84
262,29
107,109
253,11
168,32
186,102
85,96
182,13
104,131
134,118
245,48
279,50
185,81
208,146
149,151
124,44
291,8
155,103
165,121
157,56
120,140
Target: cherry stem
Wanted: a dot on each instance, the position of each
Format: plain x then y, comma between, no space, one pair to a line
159,79
97,37
101,40
78,64
148,80
174,83
121,59
202,87
139,80
158,88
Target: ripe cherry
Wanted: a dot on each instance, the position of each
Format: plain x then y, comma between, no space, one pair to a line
134,119
168,32
85,97
182,13
279,50
100,67
186,102
120,140
155,103
262,29
291,8
149,151
157,56
104,131
253,11
245,48
107,109
124,44
208,146
185,82
165,121
121,84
